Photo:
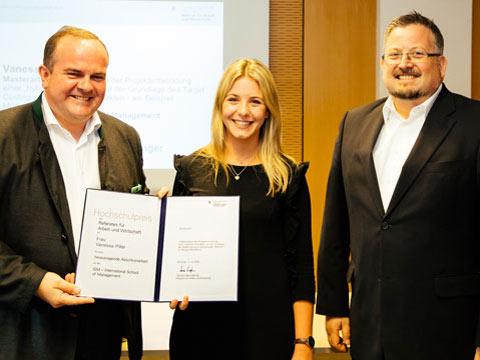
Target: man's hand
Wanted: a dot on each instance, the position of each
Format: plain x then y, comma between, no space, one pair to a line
70,277
333,326
58,292
477,354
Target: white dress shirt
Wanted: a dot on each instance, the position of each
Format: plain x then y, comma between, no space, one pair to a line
395,142
78,162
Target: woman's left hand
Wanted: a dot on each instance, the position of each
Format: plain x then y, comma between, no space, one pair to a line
175,304
302,352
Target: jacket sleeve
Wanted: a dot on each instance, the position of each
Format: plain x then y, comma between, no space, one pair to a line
19,277
333,255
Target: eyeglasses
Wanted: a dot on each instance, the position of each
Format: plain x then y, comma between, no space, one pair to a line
415,56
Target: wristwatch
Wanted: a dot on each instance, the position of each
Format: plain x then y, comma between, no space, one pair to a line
309,341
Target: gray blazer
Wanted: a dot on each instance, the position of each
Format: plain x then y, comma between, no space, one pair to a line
415,268
36,237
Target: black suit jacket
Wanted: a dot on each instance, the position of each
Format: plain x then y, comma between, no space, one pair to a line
415,267
36,237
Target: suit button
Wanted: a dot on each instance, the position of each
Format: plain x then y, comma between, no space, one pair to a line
64,238
386,226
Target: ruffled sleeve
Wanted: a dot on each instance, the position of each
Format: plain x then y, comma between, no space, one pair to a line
194,176
180,186
298,235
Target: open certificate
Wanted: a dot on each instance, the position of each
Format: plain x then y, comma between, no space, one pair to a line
138,247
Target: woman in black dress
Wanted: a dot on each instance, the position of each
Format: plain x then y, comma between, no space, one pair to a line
273,316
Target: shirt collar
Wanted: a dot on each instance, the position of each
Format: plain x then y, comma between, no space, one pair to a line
424,108
93,124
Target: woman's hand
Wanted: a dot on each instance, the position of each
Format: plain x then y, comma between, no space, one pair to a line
174,304
303,315
302,352
70,277
163,192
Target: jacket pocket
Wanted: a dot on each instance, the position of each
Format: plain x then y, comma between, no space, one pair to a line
457,285
447,166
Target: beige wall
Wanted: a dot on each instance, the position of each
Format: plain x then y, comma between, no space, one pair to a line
454,18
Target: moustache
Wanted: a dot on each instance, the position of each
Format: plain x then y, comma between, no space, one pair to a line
407,72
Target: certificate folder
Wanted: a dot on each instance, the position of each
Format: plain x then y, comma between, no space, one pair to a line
142,248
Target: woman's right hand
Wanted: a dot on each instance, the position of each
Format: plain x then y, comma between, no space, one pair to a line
163,192
174,304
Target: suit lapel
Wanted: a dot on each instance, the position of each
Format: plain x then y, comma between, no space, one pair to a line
368,137
53,176
107,176
437,125
102,161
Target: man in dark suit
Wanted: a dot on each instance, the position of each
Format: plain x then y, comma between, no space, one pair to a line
51,151
402,215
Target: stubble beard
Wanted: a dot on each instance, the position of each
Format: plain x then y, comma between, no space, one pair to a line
406,94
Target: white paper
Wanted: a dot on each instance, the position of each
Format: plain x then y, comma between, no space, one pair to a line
200,253
120,239
118,246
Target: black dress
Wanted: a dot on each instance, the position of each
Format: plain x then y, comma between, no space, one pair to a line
275,268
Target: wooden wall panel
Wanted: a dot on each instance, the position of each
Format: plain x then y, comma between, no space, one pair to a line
322,55
339,73
286,64
476,49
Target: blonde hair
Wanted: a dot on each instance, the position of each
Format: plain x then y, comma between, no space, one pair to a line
276,164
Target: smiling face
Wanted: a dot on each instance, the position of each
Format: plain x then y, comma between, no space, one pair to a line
75,85
414,82
243,111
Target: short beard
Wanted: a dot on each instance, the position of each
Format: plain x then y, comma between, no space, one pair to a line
407,95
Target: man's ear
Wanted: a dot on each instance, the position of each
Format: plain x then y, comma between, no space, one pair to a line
443,65
44,75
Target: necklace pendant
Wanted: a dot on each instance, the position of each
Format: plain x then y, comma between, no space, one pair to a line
236,175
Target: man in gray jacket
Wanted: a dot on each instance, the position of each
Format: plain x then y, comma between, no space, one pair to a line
52,150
